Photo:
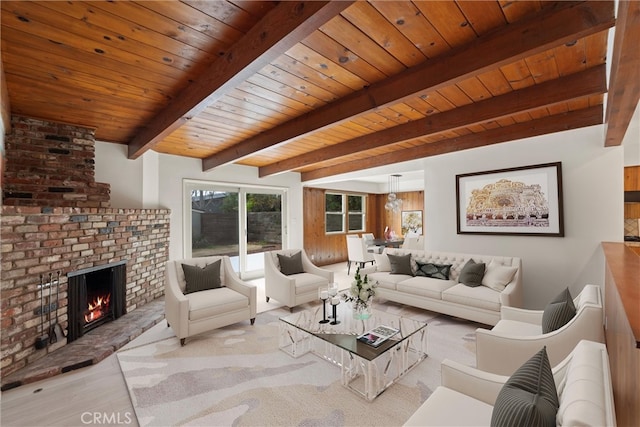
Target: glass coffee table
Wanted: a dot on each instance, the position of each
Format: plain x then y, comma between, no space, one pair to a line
366,370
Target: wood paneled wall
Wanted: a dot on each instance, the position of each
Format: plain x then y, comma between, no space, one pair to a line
622,321
331,248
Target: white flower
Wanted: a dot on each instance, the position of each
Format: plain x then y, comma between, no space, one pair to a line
354,289
364,295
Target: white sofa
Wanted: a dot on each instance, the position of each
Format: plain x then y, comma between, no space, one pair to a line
202,311
481,304
467,395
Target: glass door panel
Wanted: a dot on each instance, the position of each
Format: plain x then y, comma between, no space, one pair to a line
264,228
242,223
215,223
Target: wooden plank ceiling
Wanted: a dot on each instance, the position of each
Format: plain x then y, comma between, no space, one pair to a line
320,88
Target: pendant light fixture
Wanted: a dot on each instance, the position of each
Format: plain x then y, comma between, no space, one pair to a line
394,203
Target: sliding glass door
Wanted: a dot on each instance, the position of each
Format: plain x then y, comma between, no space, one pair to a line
241,222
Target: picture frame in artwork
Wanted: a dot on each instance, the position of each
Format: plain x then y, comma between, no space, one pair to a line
412,222
519,201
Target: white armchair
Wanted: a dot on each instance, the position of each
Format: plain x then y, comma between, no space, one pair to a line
297,288
467,395
197,312
518,334
357,252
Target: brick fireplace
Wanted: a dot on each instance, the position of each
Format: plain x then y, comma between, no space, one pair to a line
55,217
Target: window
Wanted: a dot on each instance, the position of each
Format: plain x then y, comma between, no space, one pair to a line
336,211
355,206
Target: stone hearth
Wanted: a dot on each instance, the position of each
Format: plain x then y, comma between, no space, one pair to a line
90,349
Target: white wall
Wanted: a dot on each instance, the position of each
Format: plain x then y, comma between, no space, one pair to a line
593,209
125,176
155,180
631,141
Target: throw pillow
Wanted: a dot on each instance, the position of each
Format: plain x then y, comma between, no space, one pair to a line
436,271
291,264
558,312
529,397
472,274
498,276
400,264
201,279
382,262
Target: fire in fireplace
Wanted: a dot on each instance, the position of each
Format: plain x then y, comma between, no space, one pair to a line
96,296
97,309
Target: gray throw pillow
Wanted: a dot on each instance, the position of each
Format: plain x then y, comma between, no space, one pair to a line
472,274
436,271
291,264
400,264
558,312
201,279
529,397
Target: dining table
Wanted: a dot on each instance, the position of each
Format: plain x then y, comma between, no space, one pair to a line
392,243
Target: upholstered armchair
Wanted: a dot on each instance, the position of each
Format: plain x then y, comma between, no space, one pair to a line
519,334
205,295
291,278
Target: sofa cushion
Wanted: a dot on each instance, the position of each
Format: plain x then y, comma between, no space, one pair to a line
200,279
529,396
515,328
497,276
425,286
307,282
436,271
215,302
583,389
387,280
480,297
472,273
382,262
558,312
400,264
291,264
447,407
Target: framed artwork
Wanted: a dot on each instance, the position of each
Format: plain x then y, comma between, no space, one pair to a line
411,222
522,201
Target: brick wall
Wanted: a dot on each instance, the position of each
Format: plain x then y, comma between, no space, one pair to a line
46,229
51,164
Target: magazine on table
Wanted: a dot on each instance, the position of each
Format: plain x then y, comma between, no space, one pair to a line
376,336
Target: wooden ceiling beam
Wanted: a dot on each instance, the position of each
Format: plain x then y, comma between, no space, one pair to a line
280,29
579,85
624,89
572,21
557,123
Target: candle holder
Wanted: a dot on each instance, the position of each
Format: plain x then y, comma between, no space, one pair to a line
324,296
334,303
332,290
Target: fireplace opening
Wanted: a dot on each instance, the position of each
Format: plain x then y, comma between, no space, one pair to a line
96,296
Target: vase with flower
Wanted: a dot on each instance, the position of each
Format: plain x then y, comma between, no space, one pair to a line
360,296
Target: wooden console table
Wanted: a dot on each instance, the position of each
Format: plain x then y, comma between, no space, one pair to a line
622,329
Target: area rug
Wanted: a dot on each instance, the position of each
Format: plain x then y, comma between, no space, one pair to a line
237,376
